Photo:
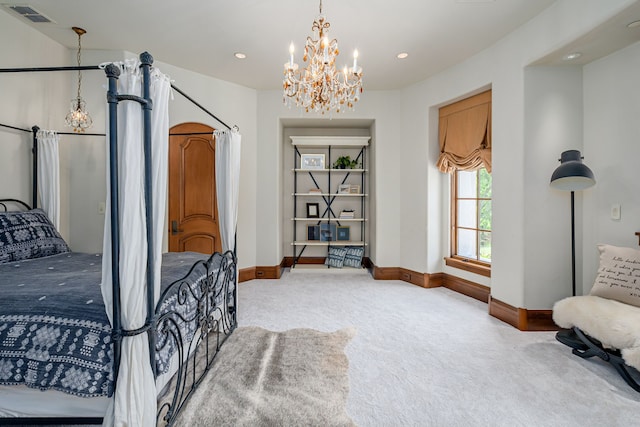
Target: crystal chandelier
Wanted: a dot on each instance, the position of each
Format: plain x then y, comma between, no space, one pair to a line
320,87
78,118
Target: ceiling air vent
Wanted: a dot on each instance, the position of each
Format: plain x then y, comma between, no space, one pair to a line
30,13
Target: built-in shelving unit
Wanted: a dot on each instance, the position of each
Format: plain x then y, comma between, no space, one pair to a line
322,194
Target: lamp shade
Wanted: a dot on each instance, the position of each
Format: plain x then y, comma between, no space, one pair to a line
572,174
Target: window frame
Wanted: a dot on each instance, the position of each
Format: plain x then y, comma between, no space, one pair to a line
472,265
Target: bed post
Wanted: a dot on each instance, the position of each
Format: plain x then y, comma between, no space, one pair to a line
112,71
34,172
145,62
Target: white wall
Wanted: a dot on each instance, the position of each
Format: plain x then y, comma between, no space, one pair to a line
612,151
28,99
43,99
501,67
382,107
412,224
234,105
410,203
553,111
85,161
86,165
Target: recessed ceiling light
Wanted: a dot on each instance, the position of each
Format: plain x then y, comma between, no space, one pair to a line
571,56
634,24
240,55
402,55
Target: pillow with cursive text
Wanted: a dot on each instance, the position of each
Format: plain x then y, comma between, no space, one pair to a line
618,275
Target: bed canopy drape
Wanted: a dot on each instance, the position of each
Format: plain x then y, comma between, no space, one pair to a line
134,402
228,148
49,176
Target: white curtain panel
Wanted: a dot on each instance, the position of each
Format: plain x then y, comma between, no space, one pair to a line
227,184
134,402
49,174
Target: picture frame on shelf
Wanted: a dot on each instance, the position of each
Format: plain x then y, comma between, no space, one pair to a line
344,189
313,232
311,161
343,233
313,210
354,189
328,232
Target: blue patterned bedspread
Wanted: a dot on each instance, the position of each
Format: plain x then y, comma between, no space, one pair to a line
54,332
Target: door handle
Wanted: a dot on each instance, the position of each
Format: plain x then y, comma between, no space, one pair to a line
174,228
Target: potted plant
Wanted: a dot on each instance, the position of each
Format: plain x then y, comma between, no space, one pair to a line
345,162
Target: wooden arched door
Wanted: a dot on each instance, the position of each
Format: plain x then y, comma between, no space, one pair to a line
193,209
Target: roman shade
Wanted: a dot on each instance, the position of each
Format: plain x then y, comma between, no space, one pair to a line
465,134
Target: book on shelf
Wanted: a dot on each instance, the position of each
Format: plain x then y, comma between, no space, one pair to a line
315,191
347,214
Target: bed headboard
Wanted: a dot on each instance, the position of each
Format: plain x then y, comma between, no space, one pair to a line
5,204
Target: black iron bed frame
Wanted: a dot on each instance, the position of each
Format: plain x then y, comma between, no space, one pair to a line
213,323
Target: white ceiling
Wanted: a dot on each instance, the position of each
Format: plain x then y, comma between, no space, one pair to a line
203,35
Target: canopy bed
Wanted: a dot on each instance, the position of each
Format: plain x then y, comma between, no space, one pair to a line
122,337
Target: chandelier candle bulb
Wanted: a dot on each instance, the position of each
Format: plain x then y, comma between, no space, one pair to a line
355,61
325,41
291,50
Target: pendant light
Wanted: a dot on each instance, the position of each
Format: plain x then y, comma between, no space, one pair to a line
78,118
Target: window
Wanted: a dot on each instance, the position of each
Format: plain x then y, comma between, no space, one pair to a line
465,153
471,230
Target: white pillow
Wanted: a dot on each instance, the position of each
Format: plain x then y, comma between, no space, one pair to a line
618,275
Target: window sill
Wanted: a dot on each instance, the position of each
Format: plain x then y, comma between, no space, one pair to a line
469,265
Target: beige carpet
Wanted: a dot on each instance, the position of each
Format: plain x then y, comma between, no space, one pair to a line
436,358
263,378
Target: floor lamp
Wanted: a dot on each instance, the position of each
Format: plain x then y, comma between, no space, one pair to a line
572,175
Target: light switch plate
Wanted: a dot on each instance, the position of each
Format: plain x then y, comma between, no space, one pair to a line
615,211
